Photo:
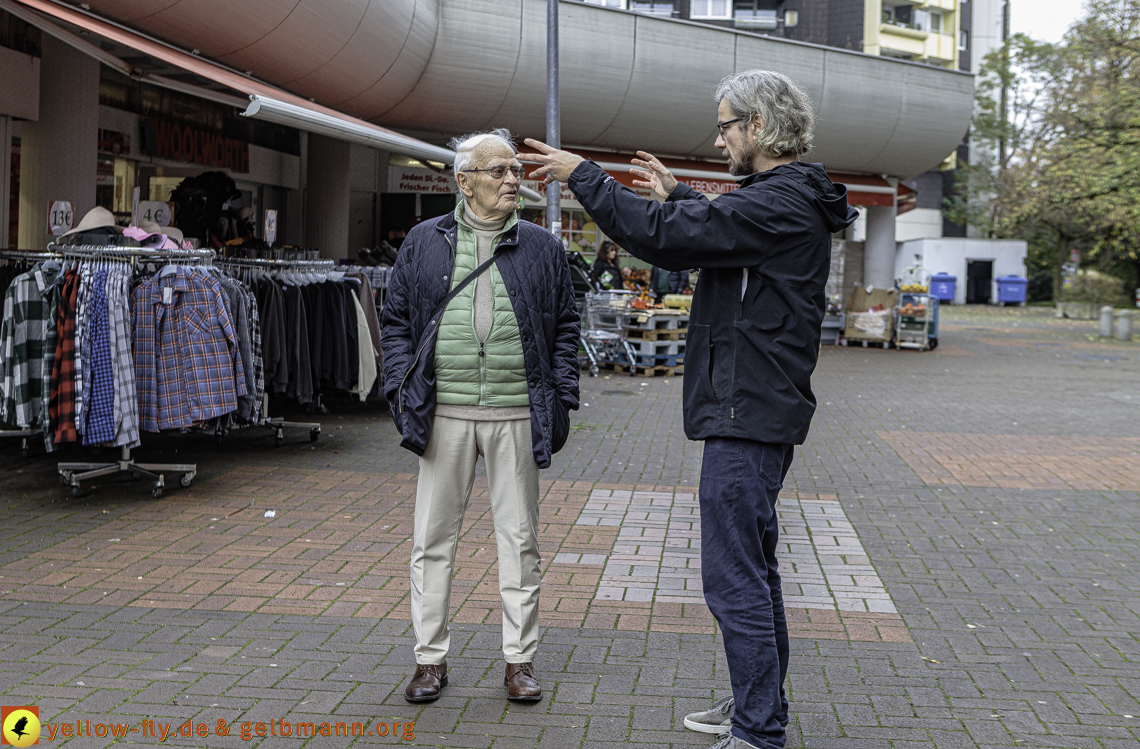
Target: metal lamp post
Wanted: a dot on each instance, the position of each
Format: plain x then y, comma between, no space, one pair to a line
553,116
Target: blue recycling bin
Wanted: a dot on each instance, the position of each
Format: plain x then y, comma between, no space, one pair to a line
1011,289
943,286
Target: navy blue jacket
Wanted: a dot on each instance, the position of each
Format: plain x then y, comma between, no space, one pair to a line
764,251
537,276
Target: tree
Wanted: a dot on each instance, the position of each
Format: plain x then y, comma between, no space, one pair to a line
1070,176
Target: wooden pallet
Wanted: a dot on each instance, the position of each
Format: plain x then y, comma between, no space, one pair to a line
642,371
642,334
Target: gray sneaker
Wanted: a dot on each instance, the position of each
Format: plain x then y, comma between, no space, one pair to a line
717,720
728,741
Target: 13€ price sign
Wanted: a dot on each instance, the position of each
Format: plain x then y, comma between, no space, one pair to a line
154,210
61,217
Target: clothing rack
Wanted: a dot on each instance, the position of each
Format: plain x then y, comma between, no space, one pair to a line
74,474
29,257
279,424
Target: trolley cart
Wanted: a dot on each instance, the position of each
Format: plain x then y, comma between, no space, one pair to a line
916,321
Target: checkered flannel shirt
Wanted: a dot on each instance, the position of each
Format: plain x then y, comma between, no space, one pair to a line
258,363
187,365
82,344
27,350
122,360
62,407
100,413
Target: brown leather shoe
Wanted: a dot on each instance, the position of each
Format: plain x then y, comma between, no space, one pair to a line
521,684
427,683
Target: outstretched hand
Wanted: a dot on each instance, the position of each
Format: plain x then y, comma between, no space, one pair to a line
653,174
556,165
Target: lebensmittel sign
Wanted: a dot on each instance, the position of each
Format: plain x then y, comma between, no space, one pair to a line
415,179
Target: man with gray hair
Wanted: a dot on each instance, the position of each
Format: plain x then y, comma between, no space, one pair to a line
764,251
480,342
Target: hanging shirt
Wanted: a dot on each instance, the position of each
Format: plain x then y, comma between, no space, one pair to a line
27,350
99,422
187,365
122,358
62,405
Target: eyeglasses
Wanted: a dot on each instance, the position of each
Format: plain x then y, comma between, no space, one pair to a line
498,172
720,126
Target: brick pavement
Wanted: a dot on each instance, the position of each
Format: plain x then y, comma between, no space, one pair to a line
987,484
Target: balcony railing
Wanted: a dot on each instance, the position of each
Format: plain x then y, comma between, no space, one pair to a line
755,19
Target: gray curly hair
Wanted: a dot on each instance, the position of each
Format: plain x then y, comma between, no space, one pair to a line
781,105
465,145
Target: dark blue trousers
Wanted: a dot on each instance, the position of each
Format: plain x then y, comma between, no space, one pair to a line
740,480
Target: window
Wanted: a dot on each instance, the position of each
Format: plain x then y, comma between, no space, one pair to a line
709,9
755,14
936,23
652,8
791,18
963,40
619,4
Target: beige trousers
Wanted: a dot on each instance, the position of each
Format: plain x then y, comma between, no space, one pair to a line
447,471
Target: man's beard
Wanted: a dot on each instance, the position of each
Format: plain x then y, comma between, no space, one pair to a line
742,166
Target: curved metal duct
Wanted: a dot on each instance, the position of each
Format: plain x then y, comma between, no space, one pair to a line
628,81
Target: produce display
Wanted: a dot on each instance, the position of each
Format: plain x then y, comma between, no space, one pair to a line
914,288
911,309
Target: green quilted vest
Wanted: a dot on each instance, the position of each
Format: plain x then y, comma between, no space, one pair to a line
467,374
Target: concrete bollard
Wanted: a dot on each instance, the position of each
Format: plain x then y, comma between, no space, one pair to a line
1106,322
1124,325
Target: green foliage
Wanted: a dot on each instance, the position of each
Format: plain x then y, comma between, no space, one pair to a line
1040,288
1059,164
1098,288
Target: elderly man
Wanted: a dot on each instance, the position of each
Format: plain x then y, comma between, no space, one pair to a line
764,252
480,342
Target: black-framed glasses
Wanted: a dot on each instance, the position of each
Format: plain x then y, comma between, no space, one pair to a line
498,172
720,126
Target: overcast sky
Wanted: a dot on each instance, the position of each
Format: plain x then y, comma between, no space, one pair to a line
1046,20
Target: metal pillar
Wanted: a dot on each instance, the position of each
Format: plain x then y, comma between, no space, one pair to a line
553,116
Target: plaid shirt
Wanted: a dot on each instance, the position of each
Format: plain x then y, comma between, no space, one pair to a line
122,360
82,343
187,365
258,363
27,350
62,407
99,418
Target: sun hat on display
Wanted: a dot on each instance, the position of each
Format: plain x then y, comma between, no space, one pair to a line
96,218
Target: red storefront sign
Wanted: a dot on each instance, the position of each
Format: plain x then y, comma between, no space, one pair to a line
194,146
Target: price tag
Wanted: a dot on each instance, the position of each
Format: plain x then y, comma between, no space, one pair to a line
154,210
270,226
61,217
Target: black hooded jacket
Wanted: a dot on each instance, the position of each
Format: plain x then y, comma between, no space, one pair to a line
764,251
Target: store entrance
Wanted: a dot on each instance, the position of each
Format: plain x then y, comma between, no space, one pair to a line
979,281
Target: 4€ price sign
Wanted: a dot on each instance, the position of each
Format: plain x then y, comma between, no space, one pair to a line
61,217
154,210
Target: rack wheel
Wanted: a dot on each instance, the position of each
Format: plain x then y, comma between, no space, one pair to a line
314,434
65,478
278,439
24,452
187,479
933,343
156,492
593,370
75,491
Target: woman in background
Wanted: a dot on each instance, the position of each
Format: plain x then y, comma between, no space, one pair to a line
606,271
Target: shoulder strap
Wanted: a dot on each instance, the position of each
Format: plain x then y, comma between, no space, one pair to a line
463,284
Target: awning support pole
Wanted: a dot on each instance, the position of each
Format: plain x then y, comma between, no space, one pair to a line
553,115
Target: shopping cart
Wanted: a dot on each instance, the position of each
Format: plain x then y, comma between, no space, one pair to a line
603,336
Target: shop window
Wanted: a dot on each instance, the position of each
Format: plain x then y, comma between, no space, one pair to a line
710,9
579,232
